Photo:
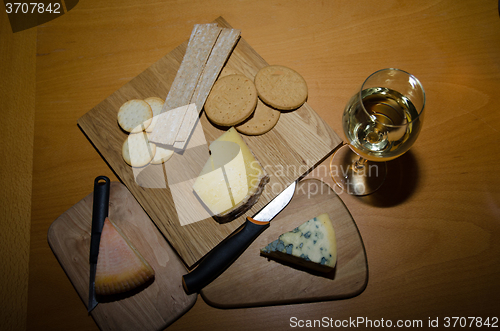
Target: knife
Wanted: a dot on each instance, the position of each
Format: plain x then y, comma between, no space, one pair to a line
223,255
100,209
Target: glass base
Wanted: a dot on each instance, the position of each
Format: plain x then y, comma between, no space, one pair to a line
354,177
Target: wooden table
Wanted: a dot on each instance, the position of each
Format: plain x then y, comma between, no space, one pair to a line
430,232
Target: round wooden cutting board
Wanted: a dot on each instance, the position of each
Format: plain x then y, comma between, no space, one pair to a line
254,280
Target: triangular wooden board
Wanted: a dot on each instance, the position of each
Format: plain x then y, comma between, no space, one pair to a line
254,280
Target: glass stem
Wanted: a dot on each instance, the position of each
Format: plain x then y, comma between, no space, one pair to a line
359,164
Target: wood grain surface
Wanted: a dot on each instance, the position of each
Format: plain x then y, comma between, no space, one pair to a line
17,107
429,233
153,307
250,280
299,141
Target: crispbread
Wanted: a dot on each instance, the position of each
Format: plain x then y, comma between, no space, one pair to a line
191,116
193,82
281,87
156,105
218,56
202,40
232,100
137,151
135,115
263,119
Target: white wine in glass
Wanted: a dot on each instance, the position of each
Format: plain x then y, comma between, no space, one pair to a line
381,122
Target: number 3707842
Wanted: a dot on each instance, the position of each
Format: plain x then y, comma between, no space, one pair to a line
470,322
32,8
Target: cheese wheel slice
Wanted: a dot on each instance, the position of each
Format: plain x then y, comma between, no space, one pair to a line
311,245
120,266
232,180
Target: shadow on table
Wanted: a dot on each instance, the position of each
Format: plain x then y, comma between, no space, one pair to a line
400,183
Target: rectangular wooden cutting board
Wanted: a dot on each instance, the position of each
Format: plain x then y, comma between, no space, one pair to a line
299,142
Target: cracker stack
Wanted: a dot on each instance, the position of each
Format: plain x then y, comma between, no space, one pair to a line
232,103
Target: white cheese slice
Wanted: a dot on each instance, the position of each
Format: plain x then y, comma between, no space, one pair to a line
232,179
311,245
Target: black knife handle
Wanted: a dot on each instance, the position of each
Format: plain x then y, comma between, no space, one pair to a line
222,256
100,209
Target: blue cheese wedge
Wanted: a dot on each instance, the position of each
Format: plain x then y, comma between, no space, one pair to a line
311,245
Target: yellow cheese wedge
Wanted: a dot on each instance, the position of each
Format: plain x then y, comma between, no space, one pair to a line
120,267
232,179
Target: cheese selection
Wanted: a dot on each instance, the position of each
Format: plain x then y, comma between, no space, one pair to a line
312,245
232,179
229,184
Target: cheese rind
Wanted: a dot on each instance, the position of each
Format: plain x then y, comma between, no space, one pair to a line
312,245
232,179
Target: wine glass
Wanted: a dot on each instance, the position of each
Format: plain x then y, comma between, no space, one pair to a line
381,122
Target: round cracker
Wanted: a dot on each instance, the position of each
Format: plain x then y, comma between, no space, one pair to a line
263,119
232,100
137,151
226,71
281,87
156,105
162,155
135,115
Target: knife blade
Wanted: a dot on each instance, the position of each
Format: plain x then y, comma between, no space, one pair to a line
100,208
224,254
